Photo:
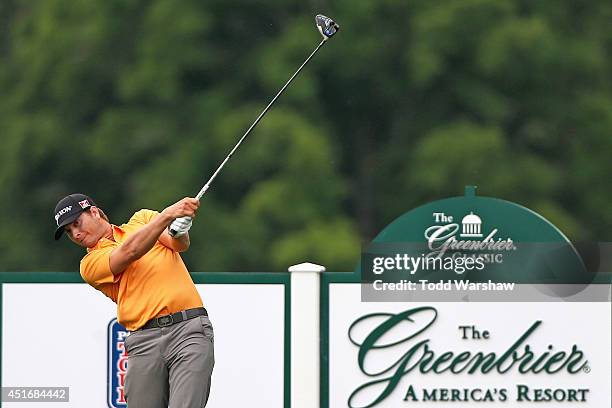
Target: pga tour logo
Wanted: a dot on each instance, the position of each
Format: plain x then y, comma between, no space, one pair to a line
469,235
117,365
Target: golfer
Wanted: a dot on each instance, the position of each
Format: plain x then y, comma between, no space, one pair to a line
138,266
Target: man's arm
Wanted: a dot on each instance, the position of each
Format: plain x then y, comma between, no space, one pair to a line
178,244
141,241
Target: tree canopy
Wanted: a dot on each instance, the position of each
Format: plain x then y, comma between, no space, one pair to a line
135,103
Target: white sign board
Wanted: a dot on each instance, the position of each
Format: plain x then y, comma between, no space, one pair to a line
56,335
421,354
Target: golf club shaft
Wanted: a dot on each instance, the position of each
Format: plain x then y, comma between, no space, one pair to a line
209,182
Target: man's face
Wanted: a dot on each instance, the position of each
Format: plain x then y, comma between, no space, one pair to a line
87,229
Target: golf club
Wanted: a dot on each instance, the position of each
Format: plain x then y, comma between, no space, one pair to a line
327,27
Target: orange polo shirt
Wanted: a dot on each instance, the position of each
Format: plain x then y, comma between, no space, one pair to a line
155,285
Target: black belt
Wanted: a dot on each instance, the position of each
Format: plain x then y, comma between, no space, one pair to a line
169,320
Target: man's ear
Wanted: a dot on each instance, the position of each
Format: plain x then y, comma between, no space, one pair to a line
95,212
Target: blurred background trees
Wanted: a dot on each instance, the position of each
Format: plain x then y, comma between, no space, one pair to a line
136,103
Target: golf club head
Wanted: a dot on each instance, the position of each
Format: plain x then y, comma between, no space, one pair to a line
327,27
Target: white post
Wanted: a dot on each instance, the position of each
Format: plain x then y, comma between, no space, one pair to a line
305,329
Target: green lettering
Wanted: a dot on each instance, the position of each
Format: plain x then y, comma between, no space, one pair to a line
515,346
480,358
555,358
427,396
460,359
488,396
410,394
442,359
427,357
523,392
540,360
561,397
527,357
574,359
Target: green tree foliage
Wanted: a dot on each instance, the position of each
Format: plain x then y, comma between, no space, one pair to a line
137,102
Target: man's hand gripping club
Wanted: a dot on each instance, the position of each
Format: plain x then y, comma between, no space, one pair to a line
183,212
142,240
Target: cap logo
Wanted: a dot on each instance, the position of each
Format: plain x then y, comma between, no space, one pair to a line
84,204
62,212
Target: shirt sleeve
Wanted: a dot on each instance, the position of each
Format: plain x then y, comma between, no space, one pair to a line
95,267
142,217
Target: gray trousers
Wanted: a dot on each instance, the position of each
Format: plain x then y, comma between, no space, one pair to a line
170,367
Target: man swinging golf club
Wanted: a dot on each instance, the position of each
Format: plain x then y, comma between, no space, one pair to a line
137,265
170,342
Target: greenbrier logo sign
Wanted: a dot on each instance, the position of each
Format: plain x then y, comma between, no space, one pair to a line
442,237
419,358
469,243
451,247
469,301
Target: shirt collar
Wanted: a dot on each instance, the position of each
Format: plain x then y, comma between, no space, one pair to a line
118,236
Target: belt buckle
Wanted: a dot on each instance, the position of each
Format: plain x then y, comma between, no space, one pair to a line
164,321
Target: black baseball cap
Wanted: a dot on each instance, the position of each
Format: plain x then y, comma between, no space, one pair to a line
68,209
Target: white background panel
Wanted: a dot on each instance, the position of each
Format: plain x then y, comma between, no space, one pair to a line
563,325
56,335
